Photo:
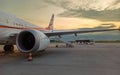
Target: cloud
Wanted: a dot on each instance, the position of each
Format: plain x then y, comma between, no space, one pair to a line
105,15
105,26
103,10
102,26
85,4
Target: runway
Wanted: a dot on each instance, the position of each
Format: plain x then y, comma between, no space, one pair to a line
97,59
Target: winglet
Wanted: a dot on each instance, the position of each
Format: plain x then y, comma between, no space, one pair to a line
50,27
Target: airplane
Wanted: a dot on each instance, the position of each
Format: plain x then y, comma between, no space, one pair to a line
28,37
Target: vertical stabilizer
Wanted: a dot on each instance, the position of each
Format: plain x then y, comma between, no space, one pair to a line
50,27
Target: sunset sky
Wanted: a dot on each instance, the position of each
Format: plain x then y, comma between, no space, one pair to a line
69,14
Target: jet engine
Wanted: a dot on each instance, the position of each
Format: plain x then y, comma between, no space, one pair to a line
32,40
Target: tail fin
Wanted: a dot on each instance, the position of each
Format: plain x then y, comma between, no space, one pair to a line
50,27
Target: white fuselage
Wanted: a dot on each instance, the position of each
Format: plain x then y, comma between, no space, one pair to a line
11,25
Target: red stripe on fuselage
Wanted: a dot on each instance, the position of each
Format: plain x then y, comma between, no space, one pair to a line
23,28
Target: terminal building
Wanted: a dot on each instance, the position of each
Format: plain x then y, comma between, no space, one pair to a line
86,41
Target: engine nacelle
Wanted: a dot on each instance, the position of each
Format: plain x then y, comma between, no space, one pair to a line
32,40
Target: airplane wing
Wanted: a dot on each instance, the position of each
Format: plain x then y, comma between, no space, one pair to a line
59,33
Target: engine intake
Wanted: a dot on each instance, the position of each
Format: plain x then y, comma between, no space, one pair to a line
32,40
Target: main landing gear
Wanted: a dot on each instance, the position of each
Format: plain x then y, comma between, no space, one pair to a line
8,48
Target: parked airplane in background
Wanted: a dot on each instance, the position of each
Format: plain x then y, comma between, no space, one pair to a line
29,37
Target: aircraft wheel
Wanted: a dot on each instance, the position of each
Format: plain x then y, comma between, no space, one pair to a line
9,48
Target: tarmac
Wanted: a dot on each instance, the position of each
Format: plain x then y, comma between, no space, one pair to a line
96,59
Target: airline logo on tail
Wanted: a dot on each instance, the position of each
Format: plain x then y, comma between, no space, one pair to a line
50,27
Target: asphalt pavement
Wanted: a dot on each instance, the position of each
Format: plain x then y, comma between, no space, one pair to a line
97,59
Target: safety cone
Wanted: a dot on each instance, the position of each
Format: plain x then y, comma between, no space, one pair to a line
30,57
